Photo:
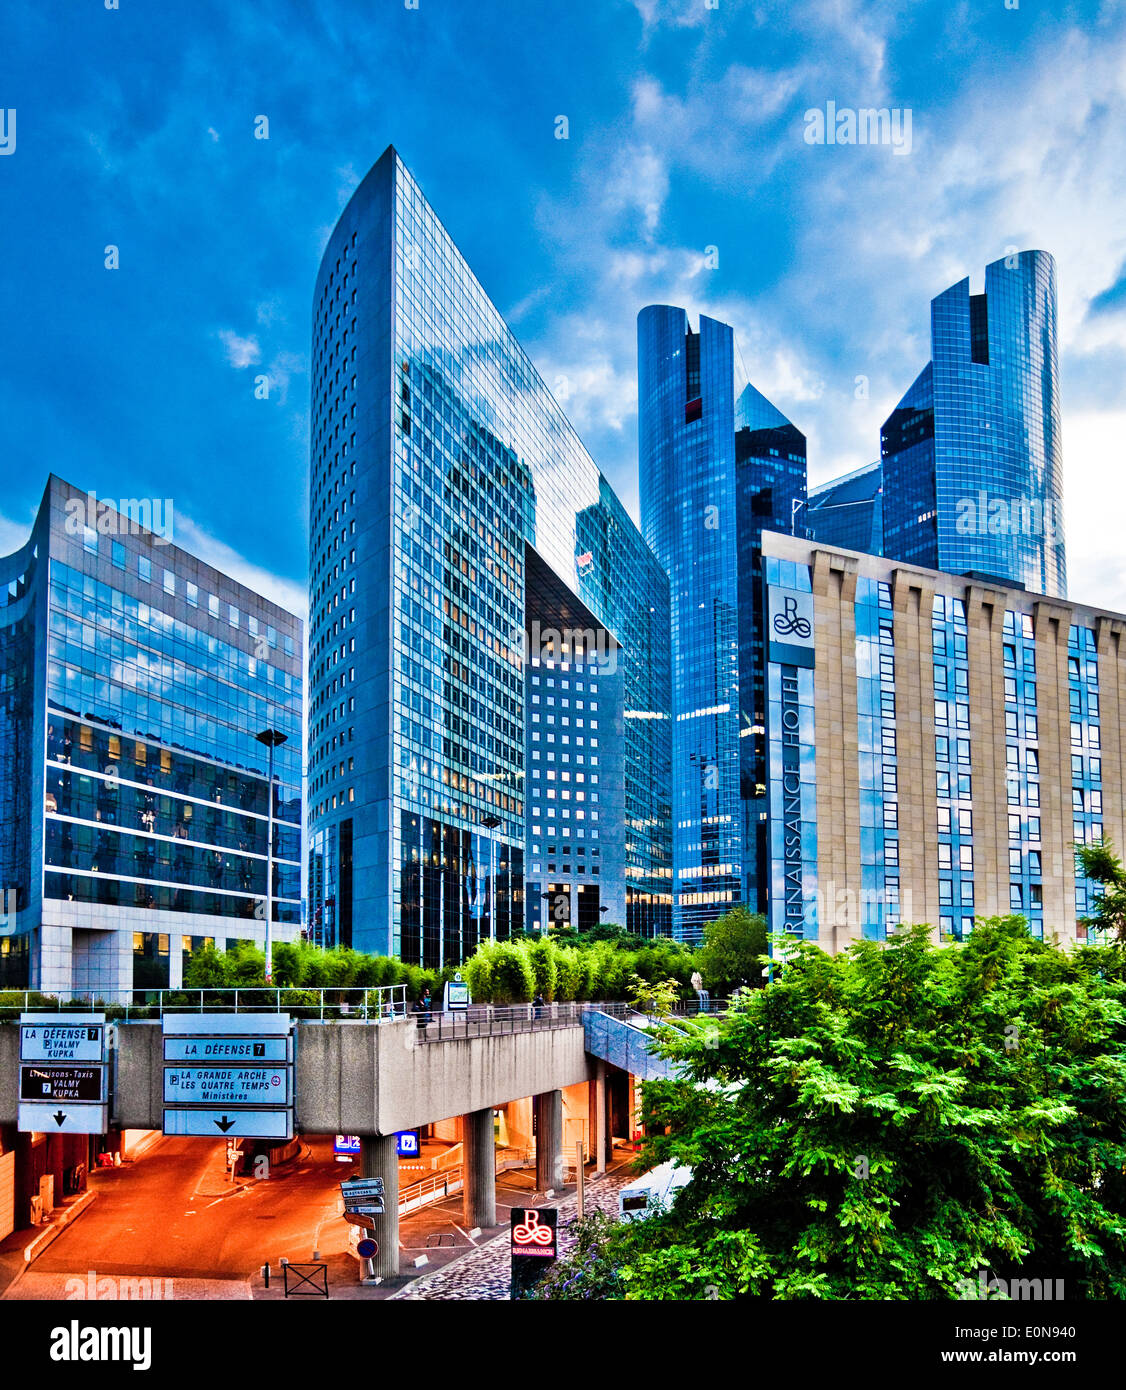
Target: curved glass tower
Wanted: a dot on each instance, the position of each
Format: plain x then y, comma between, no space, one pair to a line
715,472
439,461
972,458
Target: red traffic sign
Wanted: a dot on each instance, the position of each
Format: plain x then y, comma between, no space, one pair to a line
367,1222
367,1249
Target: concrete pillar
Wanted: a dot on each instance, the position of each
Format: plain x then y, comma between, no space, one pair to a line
380,1159
479,1195
549,1140
598,1126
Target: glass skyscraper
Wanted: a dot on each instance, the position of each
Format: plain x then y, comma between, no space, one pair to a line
972,460
440,466
847,511
135,680
715,472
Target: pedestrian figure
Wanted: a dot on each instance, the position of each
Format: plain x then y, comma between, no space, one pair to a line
697,983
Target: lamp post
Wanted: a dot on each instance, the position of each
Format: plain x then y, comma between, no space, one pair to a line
796,504
490,823
272,738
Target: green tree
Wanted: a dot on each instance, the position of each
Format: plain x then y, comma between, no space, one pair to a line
887,1122
208,969
1100,863
732,946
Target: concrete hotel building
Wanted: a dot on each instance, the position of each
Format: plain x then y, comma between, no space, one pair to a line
451,507
134,811
937,745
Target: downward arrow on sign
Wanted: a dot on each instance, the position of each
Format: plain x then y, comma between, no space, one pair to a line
225,1124
58,1117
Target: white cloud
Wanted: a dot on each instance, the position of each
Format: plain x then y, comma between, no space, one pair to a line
1094,505
241,352
224,557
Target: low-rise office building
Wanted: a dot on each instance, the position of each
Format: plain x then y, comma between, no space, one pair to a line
134,682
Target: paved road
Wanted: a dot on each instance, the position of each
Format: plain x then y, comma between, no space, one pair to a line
171,1215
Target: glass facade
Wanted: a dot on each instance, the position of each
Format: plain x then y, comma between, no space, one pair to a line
438,459
715,473
848,511
151,677
972,459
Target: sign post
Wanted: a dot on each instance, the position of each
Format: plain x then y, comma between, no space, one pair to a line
534,1247
63,1074
228,1074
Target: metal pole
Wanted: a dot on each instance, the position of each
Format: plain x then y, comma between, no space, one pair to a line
492,887
580,1176
269,864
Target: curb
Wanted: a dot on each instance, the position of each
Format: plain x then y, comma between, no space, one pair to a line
36,1247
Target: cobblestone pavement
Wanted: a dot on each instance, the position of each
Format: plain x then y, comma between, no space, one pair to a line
484,1273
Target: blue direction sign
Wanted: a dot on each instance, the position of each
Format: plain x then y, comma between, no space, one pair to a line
232,1122
62,1037
226,1085
242,1083
229,1049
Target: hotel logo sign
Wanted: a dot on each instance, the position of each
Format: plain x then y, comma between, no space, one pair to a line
790,626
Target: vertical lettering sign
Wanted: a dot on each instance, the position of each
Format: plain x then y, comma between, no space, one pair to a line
791,801
534,1246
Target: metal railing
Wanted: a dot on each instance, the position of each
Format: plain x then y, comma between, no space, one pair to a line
433,1188
381,1003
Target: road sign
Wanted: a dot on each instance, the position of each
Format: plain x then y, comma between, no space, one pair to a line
364,1208
347,1146
353,1185
252,1099
226,1086
63,1083
229,1049
364,1222
226,1025
236,1123
53,1117
367,1249
62,1037
406,1144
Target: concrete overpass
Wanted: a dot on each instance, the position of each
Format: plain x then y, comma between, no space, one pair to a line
377,1078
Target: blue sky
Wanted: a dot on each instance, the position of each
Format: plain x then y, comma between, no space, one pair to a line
135,127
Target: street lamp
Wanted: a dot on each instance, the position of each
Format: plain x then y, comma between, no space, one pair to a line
490,822
272,738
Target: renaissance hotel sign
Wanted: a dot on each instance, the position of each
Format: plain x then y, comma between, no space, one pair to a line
790,650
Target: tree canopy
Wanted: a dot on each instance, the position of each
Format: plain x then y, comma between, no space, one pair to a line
886,1123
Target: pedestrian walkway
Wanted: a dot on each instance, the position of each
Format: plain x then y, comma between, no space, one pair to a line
484,1273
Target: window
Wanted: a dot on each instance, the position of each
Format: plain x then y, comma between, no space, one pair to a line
192,592
118,551
144,568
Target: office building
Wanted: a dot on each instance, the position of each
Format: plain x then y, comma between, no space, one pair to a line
847,511
937,745
716,470
135,803
972,459
442,474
